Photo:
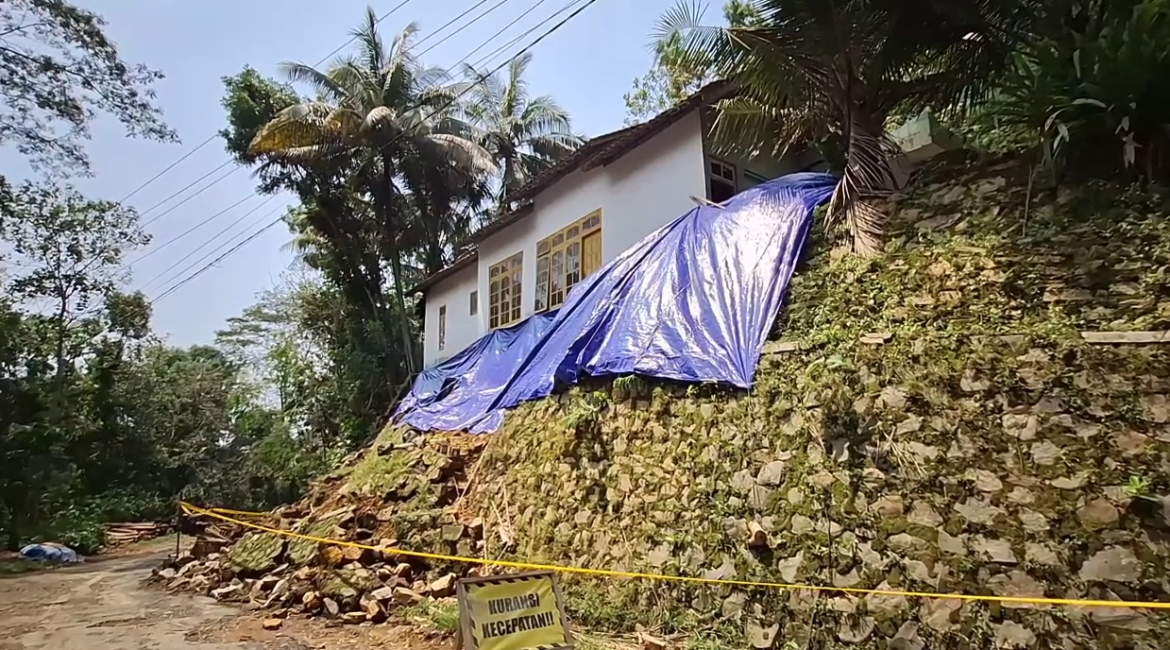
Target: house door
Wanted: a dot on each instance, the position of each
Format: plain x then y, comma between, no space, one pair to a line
590,253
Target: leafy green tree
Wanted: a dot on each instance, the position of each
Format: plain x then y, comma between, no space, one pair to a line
58,71
70,252
1089,95
674,74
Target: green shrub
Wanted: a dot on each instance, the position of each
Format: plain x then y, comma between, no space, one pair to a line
1095,98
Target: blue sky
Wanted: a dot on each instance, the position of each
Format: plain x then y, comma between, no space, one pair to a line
586,65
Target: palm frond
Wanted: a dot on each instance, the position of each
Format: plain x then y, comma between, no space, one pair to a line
319,81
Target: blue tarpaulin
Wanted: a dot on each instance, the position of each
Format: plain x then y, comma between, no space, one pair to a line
693,301
50,552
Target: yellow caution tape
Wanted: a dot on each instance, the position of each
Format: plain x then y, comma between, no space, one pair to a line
245,513
228,511
685,579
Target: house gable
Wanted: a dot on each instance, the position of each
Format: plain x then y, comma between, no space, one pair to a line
642,191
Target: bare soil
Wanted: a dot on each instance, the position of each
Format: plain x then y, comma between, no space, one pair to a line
105,604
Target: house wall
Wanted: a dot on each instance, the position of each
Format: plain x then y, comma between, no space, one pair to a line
462,328
760,164
639,193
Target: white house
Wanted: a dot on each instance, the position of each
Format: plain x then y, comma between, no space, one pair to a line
580,214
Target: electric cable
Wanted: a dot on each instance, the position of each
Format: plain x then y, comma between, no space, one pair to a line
213,136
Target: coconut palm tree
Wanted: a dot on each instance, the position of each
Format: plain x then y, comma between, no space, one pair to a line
390,124
523,134
807,70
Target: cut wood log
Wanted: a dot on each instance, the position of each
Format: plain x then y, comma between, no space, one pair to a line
1126,338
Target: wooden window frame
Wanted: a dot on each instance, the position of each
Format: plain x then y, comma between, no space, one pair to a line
505,291
442,327
712,176
557,271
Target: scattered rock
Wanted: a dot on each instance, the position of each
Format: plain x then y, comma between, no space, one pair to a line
1114,564
1045,453
332,609
353,617
906,638
789,568
893,398
889,506
404,596
733,604
743,481
996,550
1119,618
1033,521
1020,425
978,511
272,624
885,604
226,592
1068,483
952,545
939,614
984,480
772,474
1041,554
443,587
1022,496
759,636
904,543
922,514
1016,584
1010,634
1098,514
855,629
801,525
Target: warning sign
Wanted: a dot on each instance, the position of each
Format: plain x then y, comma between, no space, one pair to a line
513,612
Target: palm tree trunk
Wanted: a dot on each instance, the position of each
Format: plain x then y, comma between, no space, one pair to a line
388,192
505,179
867,180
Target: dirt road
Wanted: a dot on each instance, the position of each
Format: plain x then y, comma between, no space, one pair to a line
104,605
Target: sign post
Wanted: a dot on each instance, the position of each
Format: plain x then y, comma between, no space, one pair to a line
523,611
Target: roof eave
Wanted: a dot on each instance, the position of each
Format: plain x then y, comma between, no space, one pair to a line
455,267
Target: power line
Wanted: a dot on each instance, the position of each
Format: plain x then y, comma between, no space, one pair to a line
447,105
213,136
215,261
493,71
189,230
496,52
236,169
469,24
507,27
189,186
447,24
209,241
